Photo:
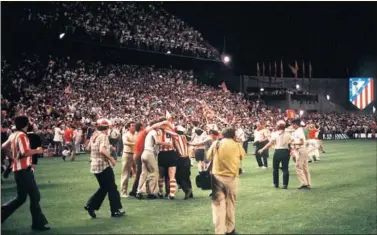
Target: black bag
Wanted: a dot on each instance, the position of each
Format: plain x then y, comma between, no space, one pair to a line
204,179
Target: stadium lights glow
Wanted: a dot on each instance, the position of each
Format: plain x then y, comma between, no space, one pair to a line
168,52
301,112
61,35
328,97
262,89
226,59
297,86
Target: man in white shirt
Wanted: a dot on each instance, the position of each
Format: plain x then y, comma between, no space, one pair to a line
58,140
199,138
242,139
299,145
77,133
260,140
114,137
149,166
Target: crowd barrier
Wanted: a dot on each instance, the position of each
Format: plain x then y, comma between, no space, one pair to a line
364,136
337,137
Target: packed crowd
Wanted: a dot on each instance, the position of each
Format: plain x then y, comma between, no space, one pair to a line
61,90
129,24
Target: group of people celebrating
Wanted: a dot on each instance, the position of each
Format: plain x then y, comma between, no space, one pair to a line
162,153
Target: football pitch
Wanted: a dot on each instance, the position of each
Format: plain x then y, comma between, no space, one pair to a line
342,199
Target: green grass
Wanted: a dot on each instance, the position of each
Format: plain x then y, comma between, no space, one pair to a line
343,200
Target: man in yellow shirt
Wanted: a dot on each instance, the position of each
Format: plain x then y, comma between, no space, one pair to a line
226,156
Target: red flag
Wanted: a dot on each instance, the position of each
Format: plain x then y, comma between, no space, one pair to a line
223,86
281,69
294,70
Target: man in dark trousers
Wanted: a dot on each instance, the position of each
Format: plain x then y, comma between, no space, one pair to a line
260,140
281,140
35,142
26,185
183,164
101,166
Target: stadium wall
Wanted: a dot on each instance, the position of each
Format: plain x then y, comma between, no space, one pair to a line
336,88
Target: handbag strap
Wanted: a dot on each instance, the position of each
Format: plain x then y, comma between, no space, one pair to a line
210,166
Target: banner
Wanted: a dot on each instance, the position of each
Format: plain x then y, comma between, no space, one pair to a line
361,92
291,113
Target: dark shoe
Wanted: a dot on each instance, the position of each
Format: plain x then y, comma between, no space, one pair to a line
63,157
276,186
40,228
160,195
210,195
90,212
132,194
310,161
152,197
188,194
232,233
166,194
285,187
118,213
303,187
7,173
191,195
140,196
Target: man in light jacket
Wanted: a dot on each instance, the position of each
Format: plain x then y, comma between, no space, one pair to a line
226,156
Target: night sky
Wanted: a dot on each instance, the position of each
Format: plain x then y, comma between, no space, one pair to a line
333,35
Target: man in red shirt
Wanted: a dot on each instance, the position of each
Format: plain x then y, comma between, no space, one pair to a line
26,185
139,146
68,140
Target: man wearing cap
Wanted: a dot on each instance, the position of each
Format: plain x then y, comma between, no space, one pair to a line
280,139
298,142
101,166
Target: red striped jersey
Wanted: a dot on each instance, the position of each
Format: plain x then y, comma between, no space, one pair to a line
180,144
20,145
165,137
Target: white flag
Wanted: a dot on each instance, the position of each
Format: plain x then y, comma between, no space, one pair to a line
374,109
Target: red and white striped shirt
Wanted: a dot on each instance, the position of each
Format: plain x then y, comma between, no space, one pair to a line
180,144
20,145
167,137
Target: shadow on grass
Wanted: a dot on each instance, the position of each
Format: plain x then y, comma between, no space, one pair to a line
98,225
13,188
